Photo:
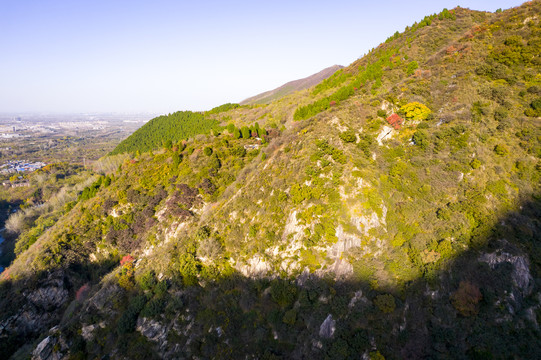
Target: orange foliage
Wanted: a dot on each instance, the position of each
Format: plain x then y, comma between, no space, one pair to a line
451,49
466,298
126,259
395,121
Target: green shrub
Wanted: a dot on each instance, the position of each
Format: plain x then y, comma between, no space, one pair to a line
154,308
475,163
290,317
501,150
535,108
385,303
207,151
500,113
127,321
348,136
382,113
534,90
412,66
282,292
376,355
511,52
420,138
147,281
479,110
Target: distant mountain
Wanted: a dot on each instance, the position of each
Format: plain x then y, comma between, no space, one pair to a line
292,86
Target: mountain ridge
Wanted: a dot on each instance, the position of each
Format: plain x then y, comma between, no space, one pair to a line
291,86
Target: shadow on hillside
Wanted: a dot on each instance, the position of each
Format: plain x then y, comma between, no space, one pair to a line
32,305
7,246
483,304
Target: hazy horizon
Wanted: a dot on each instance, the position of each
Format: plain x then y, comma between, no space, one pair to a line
132,57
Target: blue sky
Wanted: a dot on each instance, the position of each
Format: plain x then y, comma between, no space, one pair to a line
162,56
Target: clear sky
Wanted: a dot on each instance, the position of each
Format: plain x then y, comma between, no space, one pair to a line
162,56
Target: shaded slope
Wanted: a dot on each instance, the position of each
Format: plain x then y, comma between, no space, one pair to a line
292,86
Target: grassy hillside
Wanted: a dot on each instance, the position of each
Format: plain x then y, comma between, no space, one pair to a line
391,211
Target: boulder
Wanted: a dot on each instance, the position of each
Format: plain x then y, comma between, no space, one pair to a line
327,328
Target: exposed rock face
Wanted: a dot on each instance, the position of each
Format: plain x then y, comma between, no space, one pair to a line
255,267
521,268
345,242
152,330
327,328
371,221
341,268
53,347
40,310
522,280
358,297
50,296
87,331
103,296
44,349
386,133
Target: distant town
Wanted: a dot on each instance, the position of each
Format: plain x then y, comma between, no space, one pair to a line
26,139
13,126
17,166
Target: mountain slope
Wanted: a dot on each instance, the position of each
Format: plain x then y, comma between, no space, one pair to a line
292,86
391,211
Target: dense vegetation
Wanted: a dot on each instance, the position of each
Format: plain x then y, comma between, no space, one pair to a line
390,212
222,108
166,128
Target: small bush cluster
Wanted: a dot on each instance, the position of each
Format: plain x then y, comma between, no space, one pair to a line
415,111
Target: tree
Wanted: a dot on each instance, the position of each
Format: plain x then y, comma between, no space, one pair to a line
177,158
415,111
420,138
207,151
245,132
466,298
